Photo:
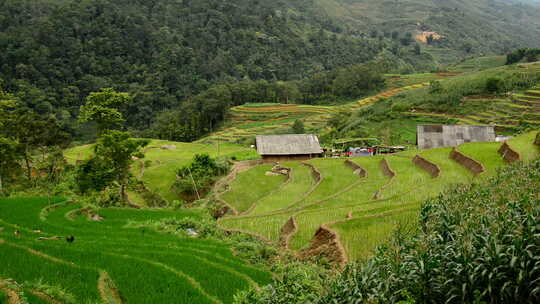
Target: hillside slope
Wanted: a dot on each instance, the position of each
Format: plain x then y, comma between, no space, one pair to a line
164,52
408,100
459,27
356,203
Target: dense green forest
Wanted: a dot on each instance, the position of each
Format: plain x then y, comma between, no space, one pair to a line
465,27
54,53
198,58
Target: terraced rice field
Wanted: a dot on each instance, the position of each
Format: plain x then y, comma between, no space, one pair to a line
160,165
364,210
113,260
504,112
253,119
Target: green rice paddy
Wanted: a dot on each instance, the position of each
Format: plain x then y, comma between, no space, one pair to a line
143,266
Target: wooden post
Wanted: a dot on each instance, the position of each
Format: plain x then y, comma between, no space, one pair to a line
194,185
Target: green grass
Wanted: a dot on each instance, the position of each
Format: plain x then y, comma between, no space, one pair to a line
524,144
480,63
251,186
171,268
485,153
335,177
267,226
362,235
342,194
160,175
3,297
300,184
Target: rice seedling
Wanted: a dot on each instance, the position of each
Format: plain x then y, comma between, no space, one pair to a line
169,266
485,153
299,185
267,226
362,235
524,144
336,176
251,186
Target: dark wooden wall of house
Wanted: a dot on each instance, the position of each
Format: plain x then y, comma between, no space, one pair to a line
284,158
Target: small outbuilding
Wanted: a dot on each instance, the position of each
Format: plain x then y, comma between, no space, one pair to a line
437,136
288,147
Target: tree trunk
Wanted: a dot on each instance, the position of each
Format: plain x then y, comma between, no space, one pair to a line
27,162
1,186
123,194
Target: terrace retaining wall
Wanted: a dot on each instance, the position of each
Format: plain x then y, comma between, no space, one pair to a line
315,172
326,244
508,154
287,231
387,171
470,164
385,166
356,168
428,166
537,141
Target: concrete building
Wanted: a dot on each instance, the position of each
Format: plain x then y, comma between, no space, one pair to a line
437,136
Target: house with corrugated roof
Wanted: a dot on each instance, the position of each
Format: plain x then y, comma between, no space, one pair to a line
288,147
437,136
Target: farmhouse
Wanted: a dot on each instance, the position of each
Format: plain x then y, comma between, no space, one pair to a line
436,136
288,147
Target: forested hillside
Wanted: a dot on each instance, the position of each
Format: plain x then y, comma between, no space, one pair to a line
54,53
448,28
199,58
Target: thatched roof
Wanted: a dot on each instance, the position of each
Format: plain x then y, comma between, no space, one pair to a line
288,144
436,136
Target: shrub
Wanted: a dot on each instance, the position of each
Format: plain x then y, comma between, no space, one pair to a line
198,176
493,85
296,282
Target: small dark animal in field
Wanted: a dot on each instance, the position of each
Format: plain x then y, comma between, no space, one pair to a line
17,233
70,239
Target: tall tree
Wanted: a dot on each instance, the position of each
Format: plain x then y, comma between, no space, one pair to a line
103,108
115,152
9,160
